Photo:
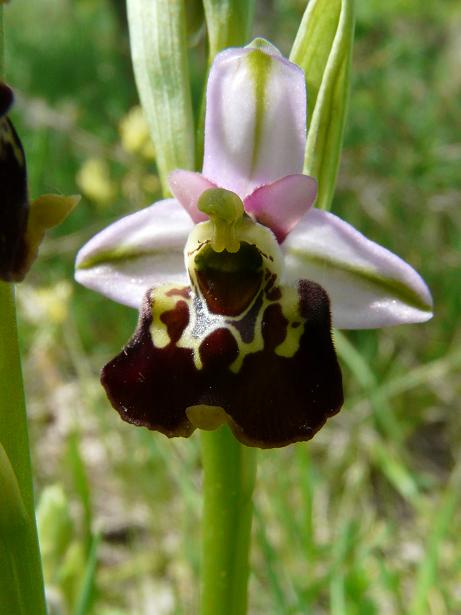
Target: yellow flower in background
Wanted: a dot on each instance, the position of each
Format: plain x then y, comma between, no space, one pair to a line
46,305
95,182
134,134
151,183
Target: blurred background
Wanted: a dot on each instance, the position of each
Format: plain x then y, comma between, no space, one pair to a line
366,518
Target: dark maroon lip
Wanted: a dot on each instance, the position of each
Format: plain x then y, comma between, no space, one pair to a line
270,401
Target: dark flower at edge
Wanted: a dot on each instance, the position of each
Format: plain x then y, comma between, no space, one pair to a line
22,224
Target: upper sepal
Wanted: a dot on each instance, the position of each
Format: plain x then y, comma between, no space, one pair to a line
255,126
368,286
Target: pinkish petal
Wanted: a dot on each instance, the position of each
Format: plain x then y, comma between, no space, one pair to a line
137,252
368,286
255,128
187,187
283,203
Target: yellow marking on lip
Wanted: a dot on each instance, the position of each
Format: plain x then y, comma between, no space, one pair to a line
161,302
290,309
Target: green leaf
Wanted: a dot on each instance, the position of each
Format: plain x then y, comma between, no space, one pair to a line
81,483
429,571
21,584
323,48
21,587
13,515
195,19
55,529
87,590
158,41
228,23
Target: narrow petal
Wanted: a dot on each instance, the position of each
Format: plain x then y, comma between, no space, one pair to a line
369,286
137,252
187,187
282,204
255,128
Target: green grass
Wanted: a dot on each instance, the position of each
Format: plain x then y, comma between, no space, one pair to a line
364,519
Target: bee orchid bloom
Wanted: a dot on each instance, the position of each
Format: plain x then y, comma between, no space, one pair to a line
237,278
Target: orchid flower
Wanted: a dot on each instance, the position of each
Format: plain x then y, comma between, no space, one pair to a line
238,279
24,223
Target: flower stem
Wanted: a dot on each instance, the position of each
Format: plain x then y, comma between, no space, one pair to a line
21,580
229,478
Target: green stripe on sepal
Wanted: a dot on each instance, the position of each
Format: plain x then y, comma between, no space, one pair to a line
390,286
323,48
121,254
260,64
158,40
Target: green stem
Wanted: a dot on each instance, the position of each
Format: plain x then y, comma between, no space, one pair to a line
21,580
229,478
